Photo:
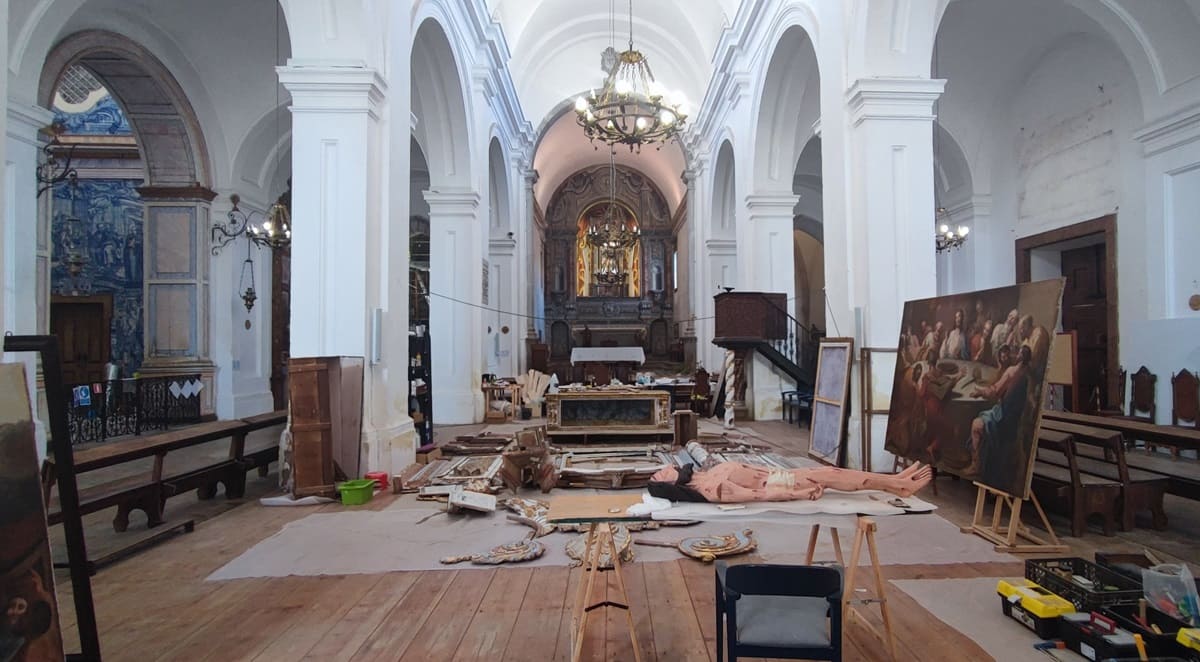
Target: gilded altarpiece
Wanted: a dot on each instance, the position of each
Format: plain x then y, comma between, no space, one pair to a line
581,313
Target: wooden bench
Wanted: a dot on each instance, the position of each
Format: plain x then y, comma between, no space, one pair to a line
261,456
1057,478
1183,475
1101,452
149,492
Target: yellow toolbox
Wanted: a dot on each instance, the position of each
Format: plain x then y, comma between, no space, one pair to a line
1033,606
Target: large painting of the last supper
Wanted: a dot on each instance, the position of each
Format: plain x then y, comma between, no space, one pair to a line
967,392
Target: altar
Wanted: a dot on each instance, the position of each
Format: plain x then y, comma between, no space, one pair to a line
609,412
604,363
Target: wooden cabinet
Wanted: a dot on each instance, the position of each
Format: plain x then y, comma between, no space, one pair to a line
326,396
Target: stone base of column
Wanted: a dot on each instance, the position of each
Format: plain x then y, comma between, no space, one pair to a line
457,406
159,367
391,448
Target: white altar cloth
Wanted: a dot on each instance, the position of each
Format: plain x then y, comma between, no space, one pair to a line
608,355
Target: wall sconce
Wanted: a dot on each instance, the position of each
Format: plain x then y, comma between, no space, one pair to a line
273,232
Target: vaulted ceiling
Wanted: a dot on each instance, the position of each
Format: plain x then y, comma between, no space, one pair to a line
556,44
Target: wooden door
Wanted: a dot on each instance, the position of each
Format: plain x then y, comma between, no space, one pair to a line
83,327
281,315
1085,311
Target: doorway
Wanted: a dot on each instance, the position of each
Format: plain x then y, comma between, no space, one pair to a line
1085,254
83,325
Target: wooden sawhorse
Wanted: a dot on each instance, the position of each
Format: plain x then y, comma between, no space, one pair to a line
864,531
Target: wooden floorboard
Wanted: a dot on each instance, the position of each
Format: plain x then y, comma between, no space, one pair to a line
535,631
347,634
443,630
493,621
157,604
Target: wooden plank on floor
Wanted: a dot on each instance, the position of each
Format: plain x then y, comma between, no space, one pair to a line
535,632
215,623
639,605
595,636
147,632
260,623
348,632
396,631
701,584
439,636
489,631
318,616
562,647
677,634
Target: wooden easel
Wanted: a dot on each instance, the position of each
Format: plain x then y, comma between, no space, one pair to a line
864,531
1005,536
599,539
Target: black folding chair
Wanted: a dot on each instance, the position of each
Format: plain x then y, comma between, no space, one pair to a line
779,611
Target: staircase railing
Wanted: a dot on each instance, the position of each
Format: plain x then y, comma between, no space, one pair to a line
799,345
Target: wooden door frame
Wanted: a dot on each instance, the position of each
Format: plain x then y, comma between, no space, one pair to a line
1106,226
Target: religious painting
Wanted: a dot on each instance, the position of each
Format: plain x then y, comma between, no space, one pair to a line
29,625
831,393
970,372
608,252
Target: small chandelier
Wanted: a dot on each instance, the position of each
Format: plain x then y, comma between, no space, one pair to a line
273,232
948,238
611,235
630,109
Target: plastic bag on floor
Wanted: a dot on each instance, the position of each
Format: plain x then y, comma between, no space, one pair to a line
1170,588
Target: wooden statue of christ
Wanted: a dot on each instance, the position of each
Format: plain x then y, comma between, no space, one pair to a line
734,482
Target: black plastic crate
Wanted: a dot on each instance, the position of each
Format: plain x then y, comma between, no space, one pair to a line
1109,588
1128,564
1160,645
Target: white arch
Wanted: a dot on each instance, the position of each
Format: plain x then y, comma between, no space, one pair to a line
443,130
786,107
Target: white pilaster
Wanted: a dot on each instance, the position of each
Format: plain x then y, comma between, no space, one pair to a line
889,224
334,116
25,277
502,298
342,248
769,266
455,317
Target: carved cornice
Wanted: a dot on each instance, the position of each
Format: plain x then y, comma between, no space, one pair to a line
1174,130
904,99
193,193
334,89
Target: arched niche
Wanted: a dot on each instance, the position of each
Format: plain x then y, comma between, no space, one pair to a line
723,219
175,194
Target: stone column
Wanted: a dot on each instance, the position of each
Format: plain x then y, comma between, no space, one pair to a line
767,265
534,231
890,253
176,228
455,275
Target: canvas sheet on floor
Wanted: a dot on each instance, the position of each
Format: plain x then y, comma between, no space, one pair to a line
834,503
972,607
410,535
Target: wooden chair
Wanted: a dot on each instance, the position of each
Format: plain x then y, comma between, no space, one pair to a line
1185,399
1141,397
779,611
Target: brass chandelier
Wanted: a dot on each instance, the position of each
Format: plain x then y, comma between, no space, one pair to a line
611,236
631,108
